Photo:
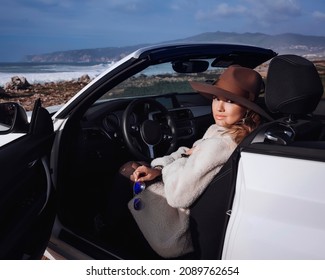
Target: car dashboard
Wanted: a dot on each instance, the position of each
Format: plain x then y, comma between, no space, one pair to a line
191,119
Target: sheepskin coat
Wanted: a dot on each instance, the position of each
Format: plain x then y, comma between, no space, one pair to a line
164,214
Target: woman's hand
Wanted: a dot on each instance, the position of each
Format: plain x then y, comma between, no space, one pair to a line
145,173
189,151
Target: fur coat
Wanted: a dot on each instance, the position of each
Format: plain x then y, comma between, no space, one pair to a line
164,214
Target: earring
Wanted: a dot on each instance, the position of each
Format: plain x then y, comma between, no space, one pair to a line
245,117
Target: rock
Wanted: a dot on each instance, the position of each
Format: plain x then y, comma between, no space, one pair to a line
17,83
85,79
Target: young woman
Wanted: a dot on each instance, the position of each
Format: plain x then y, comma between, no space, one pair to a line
173,182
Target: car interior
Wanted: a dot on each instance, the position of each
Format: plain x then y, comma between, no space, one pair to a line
98,140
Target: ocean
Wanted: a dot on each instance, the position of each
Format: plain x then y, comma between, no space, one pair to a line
49,72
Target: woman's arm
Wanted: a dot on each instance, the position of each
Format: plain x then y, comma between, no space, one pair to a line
186,178
163,161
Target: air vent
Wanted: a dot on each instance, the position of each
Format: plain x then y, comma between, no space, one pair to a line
182,114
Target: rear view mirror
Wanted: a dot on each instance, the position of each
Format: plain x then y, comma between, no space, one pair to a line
190,66
13,118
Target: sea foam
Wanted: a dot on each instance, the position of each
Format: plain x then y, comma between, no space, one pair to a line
44,73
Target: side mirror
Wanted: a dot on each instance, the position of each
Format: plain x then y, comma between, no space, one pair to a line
13,118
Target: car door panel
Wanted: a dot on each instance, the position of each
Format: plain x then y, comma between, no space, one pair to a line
25,191
278,208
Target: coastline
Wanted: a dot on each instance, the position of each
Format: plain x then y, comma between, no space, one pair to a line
57,93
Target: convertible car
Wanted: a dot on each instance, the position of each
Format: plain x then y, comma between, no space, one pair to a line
267,202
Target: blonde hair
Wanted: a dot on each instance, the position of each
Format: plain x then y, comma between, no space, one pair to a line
239,130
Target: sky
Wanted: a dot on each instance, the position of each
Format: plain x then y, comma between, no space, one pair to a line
29,27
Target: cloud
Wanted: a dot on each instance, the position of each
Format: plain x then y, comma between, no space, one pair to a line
245,15
127,6
47,4
266,16
221,10
319,15
124,5
272,10
183,5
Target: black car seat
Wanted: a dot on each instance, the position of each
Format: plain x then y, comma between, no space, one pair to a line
293,90
210,213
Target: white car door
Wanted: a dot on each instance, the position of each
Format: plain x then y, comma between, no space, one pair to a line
279,206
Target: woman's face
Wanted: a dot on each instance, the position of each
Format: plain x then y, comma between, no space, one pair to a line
226,112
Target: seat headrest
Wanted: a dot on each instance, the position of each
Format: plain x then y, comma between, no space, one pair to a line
293,85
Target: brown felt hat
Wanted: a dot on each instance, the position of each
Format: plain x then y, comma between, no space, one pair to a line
239,84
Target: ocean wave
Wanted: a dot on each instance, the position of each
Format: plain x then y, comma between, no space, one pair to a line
44,73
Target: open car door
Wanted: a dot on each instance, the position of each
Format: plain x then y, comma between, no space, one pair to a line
26,197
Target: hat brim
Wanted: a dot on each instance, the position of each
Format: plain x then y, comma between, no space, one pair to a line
208,91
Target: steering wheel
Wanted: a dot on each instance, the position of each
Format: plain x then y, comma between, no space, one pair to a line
145,136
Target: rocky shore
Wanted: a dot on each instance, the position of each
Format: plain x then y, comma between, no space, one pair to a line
54,93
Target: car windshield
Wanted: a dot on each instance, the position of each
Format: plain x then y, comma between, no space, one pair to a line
159,80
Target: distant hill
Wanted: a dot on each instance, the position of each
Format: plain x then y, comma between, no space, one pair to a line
312,47
305,45
85,55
